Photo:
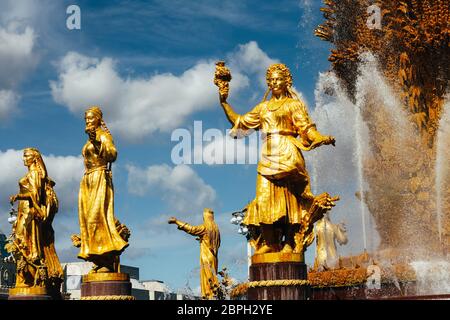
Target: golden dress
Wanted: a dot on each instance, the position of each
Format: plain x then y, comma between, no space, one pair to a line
33,230
282,184
99,235
209,247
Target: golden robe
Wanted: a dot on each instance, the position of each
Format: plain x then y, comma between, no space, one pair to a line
209,247
98,233
33,230
282,177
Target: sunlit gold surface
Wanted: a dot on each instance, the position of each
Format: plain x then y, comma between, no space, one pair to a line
110,297
209,237
32,239
28,291
413,49
222,77
284,206
101,240
106,276
276,257
357,277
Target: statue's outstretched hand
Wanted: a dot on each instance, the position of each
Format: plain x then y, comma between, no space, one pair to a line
172,220
322,140
13,199
321,204
330,140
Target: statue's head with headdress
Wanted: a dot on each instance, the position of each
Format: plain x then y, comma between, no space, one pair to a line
94,119
279,81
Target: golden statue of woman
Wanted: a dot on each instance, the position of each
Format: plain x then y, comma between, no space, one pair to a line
32,239
102,238
282,214
209,237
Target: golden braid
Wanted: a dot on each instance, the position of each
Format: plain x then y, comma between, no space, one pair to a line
103,124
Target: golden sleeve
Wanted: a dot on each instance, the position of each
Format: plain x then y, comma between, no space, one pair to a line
301,120
244,123
108,150
193,230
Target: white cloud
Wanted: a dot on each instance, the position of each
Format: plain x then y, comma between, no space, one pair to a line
223,149
249,58
67,172
138,107
180,186
17,58
16,54
8,103
13,10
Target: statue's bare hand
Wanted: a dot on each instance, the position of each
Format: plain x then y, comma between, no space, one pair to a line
330,140
325,201
172,220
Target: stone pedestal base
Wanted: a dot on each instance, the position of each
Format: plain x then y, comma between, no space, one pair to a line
106,286
30,293
278,276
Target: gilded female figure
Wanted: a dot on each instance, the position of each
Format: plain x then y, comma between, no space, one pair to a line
209,237
32,239
327,234
281,215
102,238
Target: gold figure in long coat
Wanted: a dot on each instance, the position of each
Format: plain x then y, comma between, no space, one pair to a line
209,237
101,240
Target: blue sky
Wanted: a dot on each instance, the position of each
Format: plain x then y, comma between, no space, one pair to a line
149,65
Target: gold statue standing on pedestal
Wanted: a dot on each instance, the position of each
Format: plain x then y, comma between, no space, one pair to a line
102,238
32,240
281,216
209,236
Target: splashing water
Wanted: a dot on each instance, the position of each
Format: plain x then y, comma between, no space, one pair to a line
378,153
442,165
433,277
335,170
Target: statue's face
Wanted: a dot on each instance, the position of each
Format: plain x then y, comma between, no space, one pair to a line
277,82
92,121
28,158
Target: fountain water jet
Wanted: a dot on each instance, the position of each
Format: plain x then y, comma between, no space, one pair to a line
443,172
